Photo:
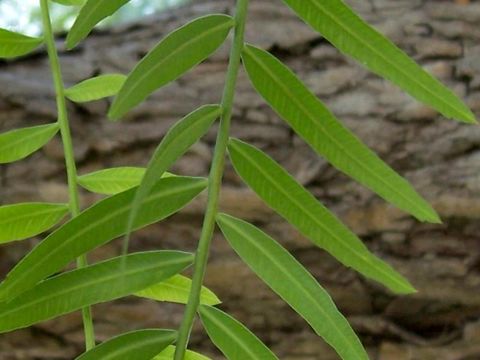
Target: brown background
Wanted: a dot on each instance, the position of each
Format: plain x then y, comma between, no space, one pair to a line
440,157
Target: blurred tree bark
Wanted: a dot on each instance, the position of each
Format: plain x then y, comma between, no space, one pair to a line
440,157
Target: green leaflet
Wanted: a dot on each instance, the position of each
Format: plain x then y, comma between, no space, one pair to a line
300,208
70,2
97,225
138,345
168,353
90,15
293,283
22,221
177,53
176,142
232,338
351,35
321,130
176,289
105,281
13,44
96,88
18,144
112,181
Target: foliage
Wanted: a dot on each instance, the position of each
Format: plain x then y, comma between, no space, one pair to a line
25,15
137,197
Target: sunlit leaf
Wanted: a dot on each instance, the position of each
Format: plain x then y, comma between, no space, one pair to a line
300,208
22,221
318,126
112,181
18,144
138,345
177,53
169,352
13,44
96,88
233,339
97,225
293,283
176,289
176,142
70,2
90,15
105,281
352,36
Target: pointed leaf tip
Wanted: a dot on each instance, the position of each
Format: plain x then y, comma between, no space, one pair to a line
97,225
22,221
13,44
96,88
293,283
349,33
177,290
18,144
97,283
90,15
319,127
177,53
299,207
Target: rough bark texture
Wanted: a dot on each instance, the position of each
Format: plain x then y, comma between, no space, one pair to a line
440,157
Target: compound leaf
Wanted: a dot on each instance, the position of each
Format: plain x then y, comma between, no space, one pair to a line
177,289
138,345
13,44
293,283
97,225
90,15
169,352
233,339
96,88
177,53
18,144
300,208
22,221
101,282
327,136
354,37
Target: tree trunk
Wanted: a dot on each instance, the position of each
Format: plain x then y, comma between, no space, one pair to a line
440,157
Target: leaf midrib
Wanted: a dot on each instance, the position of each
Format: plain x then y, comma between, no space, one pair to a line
95,281
110,83
37,213
293,279
139,344
362,257
111,215
38,131
179,49
87,17
342,148
149,171
385,59
232,335
21,41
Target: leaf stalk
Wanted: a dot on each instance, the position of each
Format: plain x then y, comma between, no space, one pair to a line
215,180
65,132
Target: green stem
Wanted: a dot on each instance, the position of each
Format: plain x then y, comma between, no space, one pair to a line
68,149
215,181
